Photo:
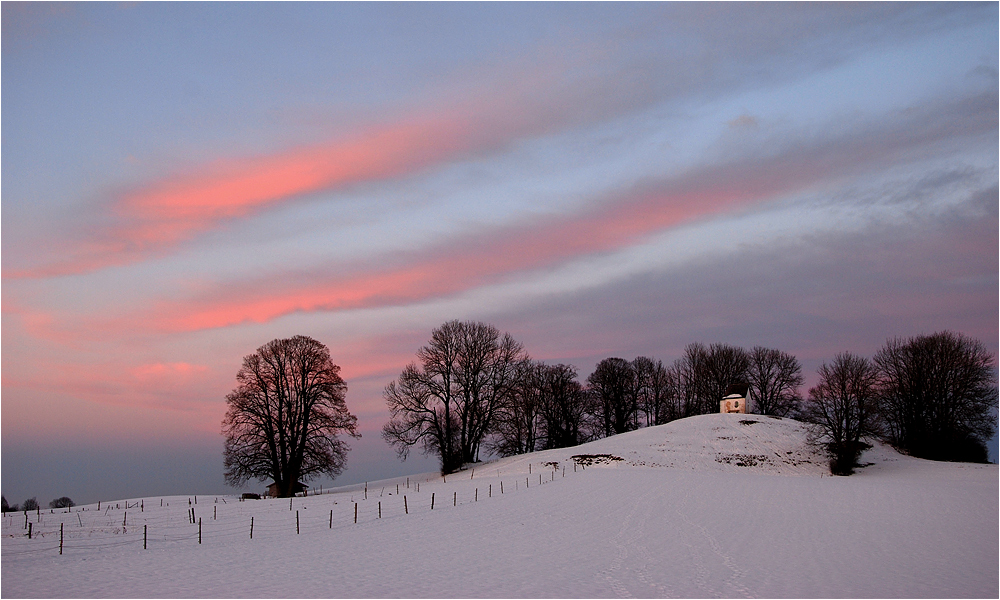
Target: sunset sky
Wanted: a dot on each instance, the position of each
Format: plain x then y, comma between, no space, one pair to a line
184,182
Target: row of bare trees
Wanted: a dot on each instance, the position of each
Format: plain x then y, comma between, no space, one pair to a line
931,396
473,387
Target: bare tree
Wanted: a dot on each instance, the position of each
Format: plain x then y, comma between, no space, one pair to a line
843,407
704,374
612,390
563,407
422,401
517,427
547,410
687,373
654,389
29,504
285,415
774,377
487,377
725,365
938,395
449,401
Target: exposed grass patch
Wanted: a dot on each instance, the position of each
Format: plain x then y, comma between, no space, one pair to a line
742,460
595,459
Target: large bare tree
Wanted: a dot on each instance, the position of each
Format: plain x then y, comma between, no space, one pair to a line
448,402
843,408
774,377
285,415
938,395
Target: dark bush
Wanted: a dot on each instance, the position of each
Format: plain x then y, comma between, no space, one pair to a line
844,456
64,502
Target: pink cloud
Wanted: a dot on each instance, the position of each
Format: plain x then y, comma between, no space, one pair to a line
462,264
159,214
166,212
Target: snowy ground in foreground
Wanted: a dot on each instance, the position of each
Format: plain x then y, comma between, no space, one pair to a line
708,506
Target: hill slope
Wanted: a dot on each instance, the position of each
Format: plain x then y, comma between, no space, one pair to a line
707,506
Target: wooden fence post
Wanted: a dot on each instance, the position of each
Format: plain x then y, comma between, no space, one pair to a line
296,522
251,528
406,509
331,518
491,491
355,512
29,530
432,505
477,495
380,509
60,538
199,530
454,499
144,536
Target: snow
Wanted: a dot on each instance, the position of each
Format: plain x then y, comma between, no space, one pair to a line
716,505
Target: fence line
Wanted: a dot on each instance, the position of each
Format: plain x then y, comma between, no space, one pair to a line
88,530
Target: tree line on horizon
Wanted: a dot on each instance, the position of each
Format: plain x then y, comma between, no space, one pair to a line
474,388
32,504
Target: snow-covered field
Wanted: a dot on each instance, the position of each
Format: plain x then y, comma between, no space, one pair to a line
716,505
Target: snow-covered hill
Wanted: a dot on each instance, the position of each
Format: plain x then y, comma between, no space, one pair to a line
716,505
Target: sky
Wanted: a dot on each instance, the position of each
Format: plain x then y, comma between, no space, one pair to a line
184,182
